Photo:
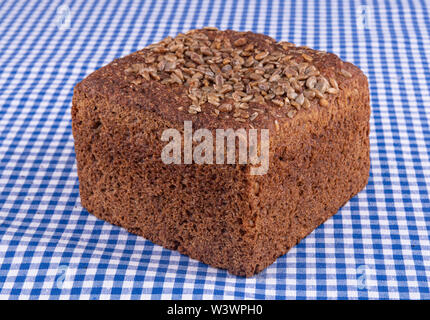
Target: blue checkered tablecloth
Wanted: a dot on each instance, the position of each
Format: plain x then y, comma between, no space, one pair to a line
376,247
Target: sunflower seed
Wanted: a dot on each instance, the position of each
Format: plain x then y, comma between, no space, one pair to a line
197,58
291,94
249,62
219,81
278,102
226,88
322,85
300,99
311,82
227,68
306,104
193,109
247,98
243,105
290,72
240,42
154,75
333,83
279,91
307,57
255,76
274,78
253,116
309,94
345,73
323,102
269,96
226,107
291,113
261,55
286,45
295,105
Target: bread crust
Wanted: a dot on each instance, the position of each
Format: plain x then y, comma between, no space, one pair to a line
219,214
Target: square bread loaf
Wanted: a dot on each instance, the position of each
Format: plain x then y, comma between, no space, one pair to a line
315,107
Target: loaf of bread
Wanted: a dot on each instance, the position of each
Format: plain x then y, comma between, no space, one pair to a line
315,107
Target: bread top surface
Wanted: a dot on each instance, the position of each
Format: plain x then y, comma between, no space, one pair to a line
224,79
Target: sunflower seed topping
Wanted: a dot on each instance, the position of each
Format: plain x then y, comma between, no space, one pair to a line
253,116
211,28
345,73
278,102
261,55
307,57
232,77
323,102
226,107
240,42
291,113
193,109
300,99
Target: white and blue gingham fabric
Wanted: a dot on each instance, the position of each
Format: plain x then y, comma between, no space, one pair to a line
376,247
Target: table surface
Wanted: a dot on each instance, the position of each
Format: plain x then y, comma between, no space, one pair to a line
375,247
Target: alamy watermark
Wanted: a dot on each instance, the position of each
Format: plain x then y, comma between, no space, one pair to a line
364,17
63,277
253,147
364,277
63,17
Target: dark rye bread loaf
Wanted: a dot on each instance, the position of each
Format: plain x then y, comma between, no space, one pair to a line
315,106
